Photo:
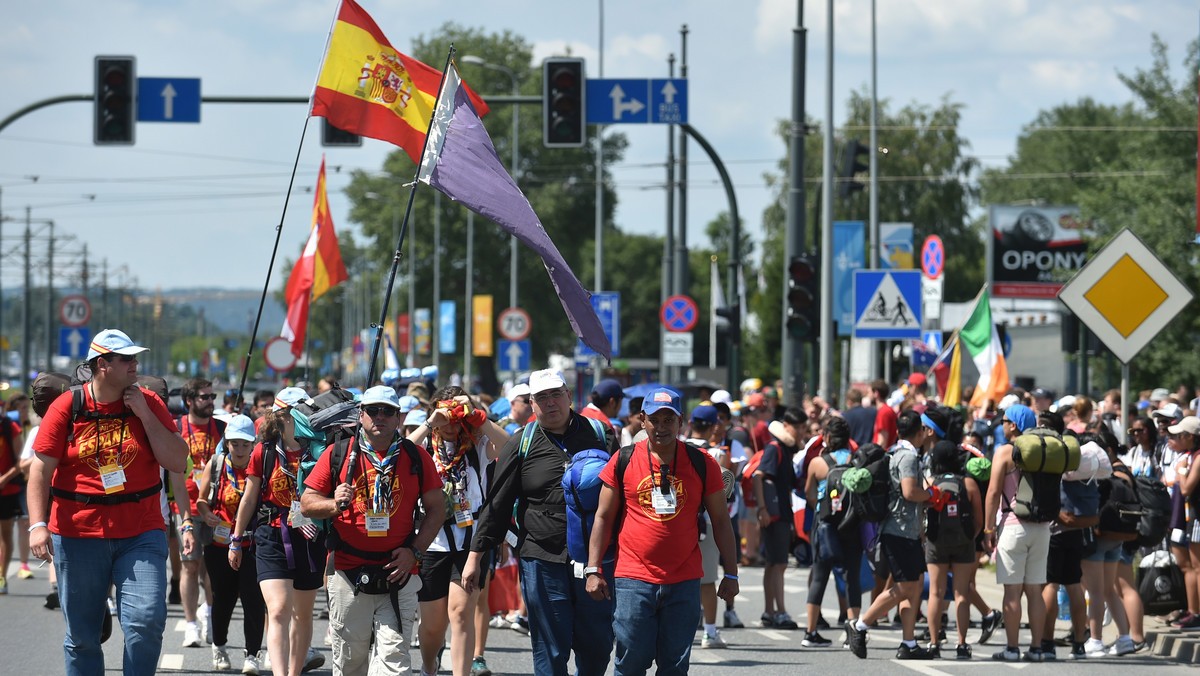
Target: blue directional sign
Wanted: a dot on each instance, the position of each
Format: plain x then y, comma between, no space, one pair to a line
73,341
608,310
887,304
628,101
513,354
168,99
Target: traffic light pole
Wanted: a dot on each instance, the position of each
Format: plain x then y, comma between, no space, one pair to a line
792,361
825,363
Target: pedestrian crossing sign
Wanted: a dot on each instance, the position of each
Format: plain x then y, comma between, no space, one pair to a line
887,304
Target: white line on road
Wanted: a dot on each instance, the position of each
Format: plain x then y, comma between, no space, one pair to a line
921,667
774,635
174,662
181,625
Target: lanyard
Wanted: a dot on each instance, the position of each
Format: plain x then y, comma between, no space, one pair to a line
665,479
208,434
380,491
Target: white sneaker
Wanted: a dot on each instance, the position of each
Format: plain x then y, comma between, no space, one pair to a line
313,660
221,658
1094,647
250,665
191,636
1123,646
264,659
713,641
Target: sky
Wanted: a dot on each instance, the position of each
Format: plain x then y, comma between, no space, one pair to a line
197,204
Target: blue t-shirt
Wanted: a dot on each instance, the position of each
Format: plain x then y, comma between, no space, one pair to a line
780,470
1081,498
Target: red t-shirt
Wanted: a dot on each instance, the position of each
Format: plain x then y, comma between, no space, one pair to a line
8,457
885,421
351,524
202,443
280,488
594,413
661,548
231,484
101,443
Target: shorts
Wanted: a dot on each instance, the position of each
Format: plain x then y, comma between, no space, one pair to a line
24,501
1193,531
1062,562
439,569
1021,553
201,531
950,555
10,507
710,556
905,557
271,558
1107,551
777,541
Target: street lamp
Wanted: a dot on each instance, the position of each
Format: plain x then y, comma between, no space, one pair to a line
513,167
409,360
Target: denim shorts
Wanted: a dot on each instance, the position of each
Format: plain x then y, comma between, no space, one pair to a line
1107,551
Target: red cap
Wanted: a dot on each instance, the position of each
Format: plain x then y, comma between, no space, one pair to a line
916,379
756,400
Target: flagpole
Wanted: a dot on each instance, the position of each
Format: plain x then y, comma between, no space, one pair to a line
307,335
352,459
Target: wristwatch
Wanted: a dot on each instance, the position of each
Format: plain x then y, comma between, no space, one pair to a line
418,554
592,570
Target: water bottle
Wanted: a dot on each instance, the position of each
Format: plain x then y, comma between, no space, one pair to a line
1064,603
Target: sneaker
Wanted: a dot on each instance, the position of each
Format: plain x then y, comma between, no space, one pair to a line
784,621
714,641
821,623
1139,646
988,625
250,664
1033,655
221,658
857,639
1123,646
1189,622
3,585
916,652
767,620
1094,647
52,602
1078,652
25,573
1180,619
963,652
498,622
1007,655
925,637
1048,653
264,659
732,621
521,626
191,636
479,667
814,640
313,661
935,651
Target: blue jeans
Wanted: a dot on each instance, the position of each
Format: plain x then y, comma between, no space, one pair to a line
137,566
563,617
655,623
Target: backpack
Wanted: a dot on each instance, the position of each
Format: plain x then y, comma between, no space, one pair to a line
835,507
581,487
954,525
1155,500
1042,450
871,503
1120,510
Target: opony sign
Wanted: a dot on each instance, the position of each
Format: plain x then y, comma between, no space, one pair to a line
1034,250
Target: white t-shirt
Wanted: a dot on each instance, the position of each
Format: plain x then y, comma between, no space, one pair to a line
476,489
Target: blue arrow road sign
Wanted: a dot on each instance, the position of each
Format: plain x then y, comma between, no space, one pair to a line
514,355
73,341
608,309
887,304
168,99
627,101
668,101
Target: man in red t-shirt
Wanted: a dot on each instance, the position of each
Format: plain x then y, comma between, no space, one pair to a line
379,550
102,463
655,505
10,491
885,433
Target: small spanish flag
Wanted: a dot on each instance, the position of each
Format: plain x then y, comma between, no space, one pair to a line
368,88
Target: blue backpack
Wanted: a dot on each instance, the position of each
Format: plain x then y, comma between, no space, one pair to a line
581,489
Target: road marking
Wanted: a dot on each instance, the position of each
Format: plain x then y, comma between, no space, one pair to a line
174,662
181,625
916,666
774,635
704,656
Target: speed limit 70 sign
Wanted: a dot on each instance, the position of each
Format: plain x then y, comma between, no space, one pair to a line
74,310
514,324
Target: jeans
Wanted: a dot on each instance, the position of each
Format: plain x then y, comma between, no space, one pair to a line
563,617
137,566
655,623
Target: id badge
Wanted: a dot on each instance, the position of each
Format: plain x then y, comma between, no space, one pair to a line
295,518
577,569
664,503
113,477
462,510
221,532
198,474
377,524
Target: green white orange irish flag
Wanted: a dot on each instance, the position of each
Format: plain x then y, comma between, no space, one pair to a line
981,341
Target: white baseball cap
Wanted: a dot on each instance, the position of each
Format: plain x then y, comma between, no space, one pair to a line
546,379
520,390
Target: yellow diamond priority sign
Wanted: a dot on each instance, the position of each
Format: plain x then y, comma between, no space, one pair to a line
1125,295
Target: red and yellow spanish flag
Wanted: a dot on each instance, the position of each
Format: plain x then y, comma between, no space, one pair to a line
368,88
319,269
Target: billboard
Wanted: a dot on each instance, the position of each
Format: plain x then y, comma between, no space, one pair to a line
1033,251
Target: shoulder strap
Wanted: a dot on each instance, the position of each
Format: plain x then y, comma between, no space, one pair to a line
214,476
623,458
697,457
527,437
77,405
415,461
598,428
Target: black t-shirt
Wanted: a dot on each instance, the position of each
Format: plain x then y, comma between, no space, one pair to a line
776,463
862,423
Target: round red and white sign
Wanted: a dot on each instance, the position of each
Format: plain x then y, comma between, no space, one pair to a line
514,324
278,354
74,310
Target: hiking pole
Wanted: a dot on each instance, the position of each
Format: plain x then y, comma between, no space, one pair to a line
352,457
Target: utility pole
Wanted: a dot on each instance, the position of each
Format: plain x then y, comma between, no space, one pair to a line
50,299
827,339
792,367
874,198
26,318
669,261
681,251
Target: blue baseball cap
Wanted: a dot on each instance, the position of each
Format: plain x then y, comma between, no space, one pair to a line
661,398
609,389
381,394
240,427
705,413
289,396
415,418
113,341
408,403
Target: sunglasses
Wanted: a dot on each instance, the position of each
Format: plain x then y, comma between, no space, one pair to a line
206,397
380,411
126,358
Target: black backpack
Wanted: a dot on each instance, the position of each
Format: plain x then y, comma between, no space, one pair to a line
1155,500
1120,509
954,525
872,505
1037,499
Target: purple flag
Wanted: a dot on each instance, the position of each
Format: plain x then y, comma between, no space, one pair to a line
461,161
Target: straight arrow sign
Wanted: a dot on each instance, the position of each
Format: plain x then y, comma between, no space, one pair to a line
515,355
168,94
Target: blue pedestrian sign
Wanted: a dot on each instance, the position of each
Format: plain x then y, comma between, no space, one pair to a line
513,354
633,101
73,341
607,305
887,304
168,99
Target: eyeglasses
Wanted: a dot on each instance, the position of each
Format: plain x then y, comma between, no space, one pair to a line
380,411
543,397
126,358
522,400
206,397
1137,430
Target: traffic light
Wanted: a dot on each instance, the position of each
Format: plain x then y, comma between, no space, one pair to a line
851,166
733,325
332,136
804,298
563,104
116,100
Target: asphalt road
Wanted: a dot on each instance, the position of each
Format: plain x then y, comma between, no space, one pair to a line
31,642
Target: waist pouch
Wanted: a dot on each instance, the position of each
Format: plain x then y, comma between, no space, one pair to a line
373,579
